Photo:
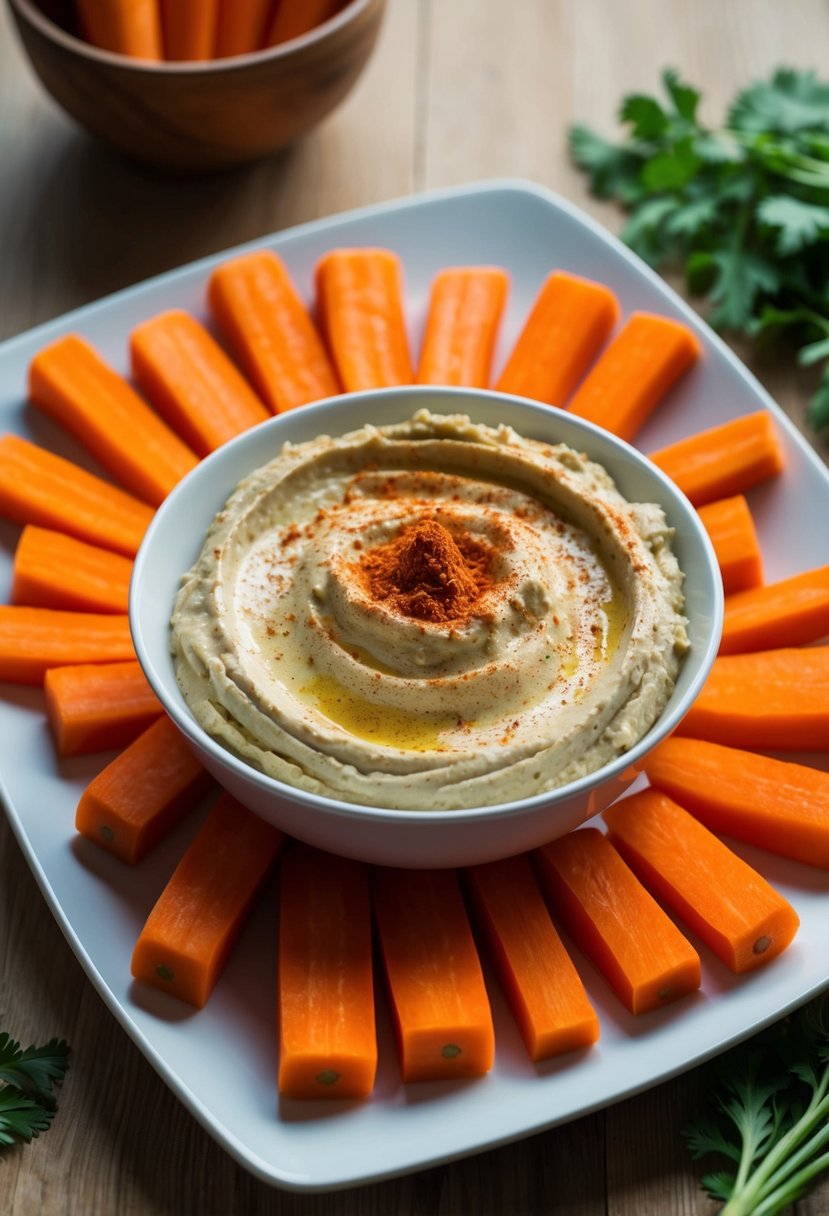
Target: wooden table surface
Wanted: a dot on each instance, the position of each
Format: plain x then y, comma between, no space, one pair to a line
458,90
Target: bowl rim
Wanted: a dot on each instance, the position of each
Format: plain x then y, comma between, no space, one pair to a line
30,12
672,713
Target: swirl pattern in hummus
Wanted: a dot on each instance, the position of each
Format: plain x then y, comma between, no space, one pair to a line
562,659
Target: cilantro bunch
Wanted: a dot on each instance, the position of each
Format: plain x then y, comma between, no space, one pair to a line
743,208
27,1078
769,1116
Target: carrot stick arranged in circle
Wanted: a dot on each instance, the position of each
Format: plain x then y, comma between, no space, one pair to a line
544,990
191,382
720,897
128,27
98,706
567,324
71,382
327,1039
188,28
775,804
723,460
729,524
790,612
34,639
38,487
633,375
294,17
259,312
142,794
441,1011
53,570
360,305
465,310
619,926
189,934
767,698
240,26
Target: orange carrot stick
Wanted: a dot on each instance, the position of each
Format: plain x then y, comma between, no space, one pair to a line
723,460
240,27
441,1011
194,925
52,570
719,896
464,314
788,613
775,804
191,382
770,698
294,17
543,988
142,794
260,313
37,487
619,926
128,27
568,322
360,305
69,381
635,373
96,707
730,526
34,639
327,1039
188,28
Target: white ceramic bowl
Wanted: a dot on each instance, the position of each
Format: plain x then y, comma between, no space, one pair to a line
413,838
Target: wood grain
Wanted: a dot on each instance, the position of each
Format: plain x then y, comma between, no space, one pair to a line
457,90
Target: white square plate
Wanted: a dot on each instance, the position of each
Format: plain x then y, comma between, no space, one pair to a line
221,1061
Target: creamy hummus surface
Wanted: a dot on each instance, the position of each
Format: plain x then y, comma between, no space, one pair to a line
430,615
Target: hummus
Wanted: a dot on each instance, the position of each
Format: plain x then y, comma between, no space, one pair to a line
430,615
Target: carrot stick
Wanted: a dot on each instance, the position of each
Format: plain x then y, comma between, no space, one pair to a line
96,707
723,460
635,373
37,487
775,804
128,27
441,1010
788,613
260,313
191,382
719,896
327,1039
568,322
188,28
194,925
770,698
142,794
731,529
69,381
360,304
541,984
240,27
294,17
34,639
465,309
619,926
52,570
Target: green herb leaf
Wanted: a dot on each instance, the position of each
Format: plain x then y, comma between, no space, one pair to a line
818,408
798,224
27,1078
744,209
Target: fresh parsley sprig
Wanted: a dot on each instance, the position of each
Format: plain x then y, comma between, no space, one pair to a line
769,1116
27,1081
743,207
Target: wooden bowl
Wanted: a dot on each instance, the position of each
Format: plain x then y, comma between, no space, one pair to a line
205,115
